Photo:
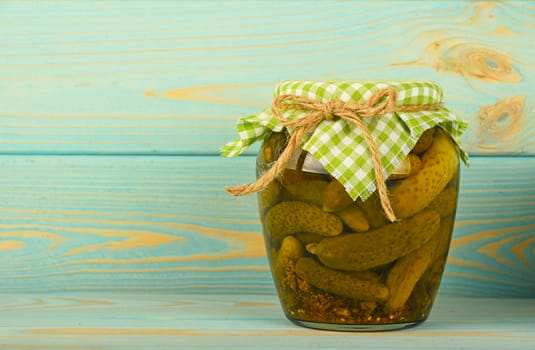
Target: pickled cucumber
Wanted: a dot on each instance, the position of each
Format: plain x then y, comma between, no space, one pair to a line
409,166
416,163
272,147
362,251
424,142
354,218
444,237
292,217
307,237
445,202
290,251
340,283
283,263
335,197
439,165
374,211
409,269
406,272
269,196
300,188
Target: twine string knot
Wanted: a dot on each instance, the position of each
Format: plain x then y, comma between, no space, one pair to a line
380,103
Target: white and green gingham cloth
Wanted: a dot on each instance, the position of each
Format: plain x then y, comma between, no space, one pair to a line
339,145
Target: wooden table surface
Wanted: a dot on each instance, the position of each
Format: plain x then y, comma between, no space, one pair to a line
109,321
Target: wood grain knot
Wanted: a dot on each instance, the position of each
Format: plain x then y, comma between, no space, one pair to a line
502,119
483,63
467,60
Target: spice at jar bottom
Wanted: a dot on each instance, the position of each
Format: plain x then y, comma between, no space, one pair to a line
357,216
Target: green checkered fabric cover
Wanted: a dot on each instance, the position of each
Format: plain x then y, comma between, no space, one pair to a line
340,146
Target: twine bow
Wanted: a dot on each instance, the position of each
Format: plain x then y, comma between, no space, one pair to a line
380,103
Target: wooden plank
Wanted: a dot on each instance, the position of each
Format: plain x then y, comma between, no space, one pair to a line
166,223
235,321
172,77
145,222
495,229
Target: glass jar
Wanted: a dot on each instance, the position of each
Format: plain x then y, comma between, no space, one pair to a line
338,263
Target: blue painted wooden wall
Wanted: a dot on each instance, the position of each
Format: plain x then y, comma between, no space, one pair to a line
112,113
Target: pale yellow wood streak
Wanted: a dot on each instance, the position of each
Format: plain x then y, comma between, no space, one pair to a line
118,331
525,186
11,245
113,121
493,250
469,334
120,128
252,304
51,346
519,250
250,243
74,302
247,332
147,270
130,238
164,332
219,93
120,118
54,238
487,221
464,263
66,303
482,12
504,31
213,288
186,184
506,212
150,93
241,244
480,236
455,261
92,142
494,281
68,216
512,200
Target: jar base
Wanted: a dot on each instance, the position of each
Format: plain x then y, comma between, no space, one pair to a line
355,327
